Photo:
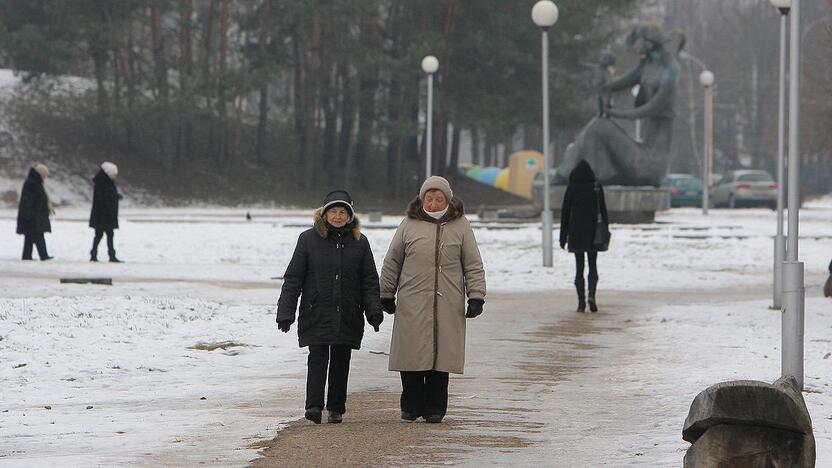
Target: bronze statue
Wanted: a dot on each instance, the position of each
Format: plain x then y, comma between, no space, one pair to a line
615,156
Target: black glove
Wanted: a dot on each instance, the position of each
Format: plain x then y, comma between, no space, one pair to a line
562,245
375,320
388,305
284,325
474,308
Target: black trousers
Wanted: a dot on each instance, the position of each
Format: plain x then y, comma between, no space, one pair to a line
337,358
592,276
425,393
99,233
36,239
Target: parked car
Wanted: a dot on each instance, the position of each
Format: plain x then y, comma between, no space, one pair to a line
745,188
685,189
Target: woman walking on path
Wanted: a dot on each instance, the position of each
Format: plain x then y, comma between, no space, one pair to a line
433,262
104,214
579,218
33,213
333,272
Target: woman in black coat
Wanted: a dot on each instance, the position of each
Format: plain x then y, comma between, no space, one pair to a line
104,213
33,213
333,272
578,218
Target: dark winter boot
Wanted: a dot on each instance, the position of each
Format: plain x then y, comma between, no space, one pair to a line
593,284
93,256
409,416
579,287
113,258
334,417
313,414
433,418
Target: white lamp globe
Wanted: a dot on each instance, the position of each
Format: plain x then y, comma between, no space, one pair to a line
545,13
781,3
706,78
430,64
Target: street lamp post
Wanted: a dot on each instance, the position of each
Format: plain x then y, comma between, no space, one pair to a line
793,285
544,15
779,239
706,78
430,65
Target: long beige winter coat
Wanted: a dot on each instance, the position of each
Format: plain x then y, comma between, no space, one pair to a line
430,267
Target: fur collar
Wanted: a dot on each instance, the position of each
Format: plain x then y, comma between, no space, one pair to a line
320,225
455,210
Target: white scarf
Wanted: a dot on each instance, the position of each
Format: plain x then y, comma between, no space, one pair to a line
436,214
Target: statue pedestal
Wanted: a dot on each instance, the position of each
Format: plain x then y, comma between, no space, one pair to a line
625,204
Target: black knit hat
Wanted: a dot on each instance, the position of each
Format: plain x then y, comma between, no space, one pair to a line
339,198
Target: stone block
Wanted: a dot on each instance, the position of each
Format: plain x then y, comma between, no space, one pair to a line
747,423
751,403
735,446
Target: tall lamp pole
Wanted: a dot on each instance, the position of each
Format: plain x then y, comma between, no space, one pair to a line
430,65
544,15
793,285
706,78
779,239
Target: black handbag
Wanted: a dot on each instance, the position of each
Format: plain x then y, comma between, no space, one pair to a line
601,239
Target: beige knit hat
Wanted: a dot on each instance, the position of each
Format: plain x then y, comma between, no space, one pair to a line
436,183
42,170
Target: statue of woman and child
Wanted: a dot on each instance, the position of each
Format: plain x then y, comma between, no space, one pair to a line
617,158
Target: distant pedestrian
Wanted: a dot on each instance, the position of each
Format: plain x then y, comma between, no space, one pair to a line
432,263
104,213
584,225
333,272
827,288
33,213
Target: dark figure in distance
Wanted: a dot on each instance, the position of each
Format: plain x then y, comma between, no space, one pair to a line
582,201
333,271
104,214
33,213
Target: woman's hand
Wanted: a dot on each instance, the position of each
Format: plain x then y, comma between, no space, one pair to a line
375,320
474,308
388,305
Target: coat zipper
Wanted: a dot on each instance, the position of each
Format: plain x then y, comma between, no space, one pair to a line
436,294
339,247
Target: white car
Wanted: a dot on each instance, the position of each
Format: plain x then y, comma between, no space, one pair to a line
745,188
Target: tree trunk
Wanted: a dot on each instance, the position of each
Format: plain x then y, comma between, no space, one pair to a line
440,161
128,65
185,134
453,164
222,133
263,116
347,114
161,84
207,48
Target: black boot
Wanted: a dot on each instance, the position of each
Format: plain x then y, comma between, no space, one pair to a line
579,287
313,414
593,284
93,256
113,258
334,417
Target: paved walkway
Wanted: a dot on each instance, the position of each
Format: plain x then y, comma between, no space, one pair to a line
540,388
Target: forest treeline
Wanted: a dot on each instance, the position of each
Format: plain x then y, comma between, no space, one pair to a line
320,88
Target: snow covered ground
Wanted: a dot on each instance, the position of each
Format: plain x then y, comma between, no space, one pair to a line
117,374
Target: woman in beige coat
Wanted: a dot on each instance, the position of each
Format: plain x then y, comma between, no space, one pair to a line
433,262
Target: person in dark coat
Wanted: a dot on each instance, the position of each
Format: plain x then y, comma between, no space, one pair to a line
33,213
104,213
578,217
333,272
